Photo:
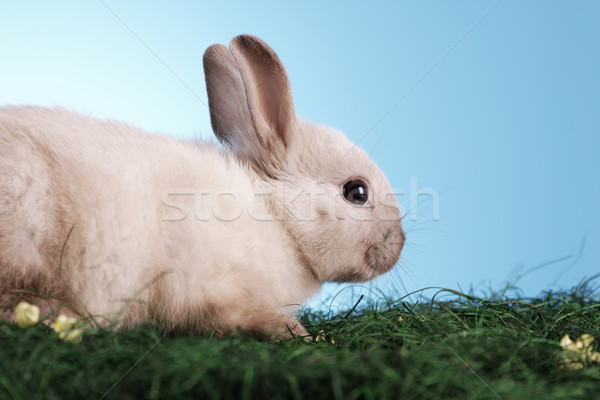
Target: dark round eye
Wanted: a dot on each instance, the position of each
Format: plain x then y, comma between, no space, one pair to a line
356,192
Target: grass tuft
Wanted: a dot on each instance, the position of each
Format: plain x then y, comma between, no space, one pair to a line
453,345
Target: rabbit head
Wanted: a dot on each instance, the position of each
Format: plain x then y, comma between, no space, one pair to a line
328,195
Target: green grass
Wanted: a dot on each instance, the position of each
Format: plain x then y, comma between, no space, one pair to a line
460,347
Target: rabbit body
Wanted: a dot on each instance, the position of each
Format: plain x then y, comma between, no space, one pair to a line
124,225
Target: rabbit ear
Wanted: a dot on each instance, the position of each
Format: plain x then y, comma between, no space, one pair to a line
267,88
250,101
229,113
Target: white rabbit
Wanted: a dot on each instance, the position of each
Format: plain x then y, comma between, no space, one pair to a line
125,226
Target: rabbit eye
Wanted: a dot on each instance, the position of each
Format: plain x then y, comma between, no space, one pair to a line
356,192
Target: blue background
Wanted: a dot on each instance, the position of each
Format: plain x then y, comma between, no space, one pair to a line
493,106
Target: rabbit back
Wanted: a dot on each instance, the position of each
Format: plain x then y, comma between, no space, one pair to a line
157,224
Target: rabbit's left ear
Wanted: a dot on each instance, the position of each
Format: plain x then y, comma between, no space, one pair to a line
229,113
268,89
250,101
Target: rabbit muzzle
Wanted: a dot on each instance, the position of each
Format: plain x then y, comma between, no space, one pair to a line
384,255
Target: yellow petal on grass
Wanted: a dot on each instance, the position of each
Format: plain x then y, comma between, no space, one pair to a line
74,335
577,354
585,341
63,323
566,341
65,327
27,314
321,337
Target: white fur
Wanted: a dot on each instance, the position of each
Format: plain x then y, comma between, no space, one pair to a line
185,233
